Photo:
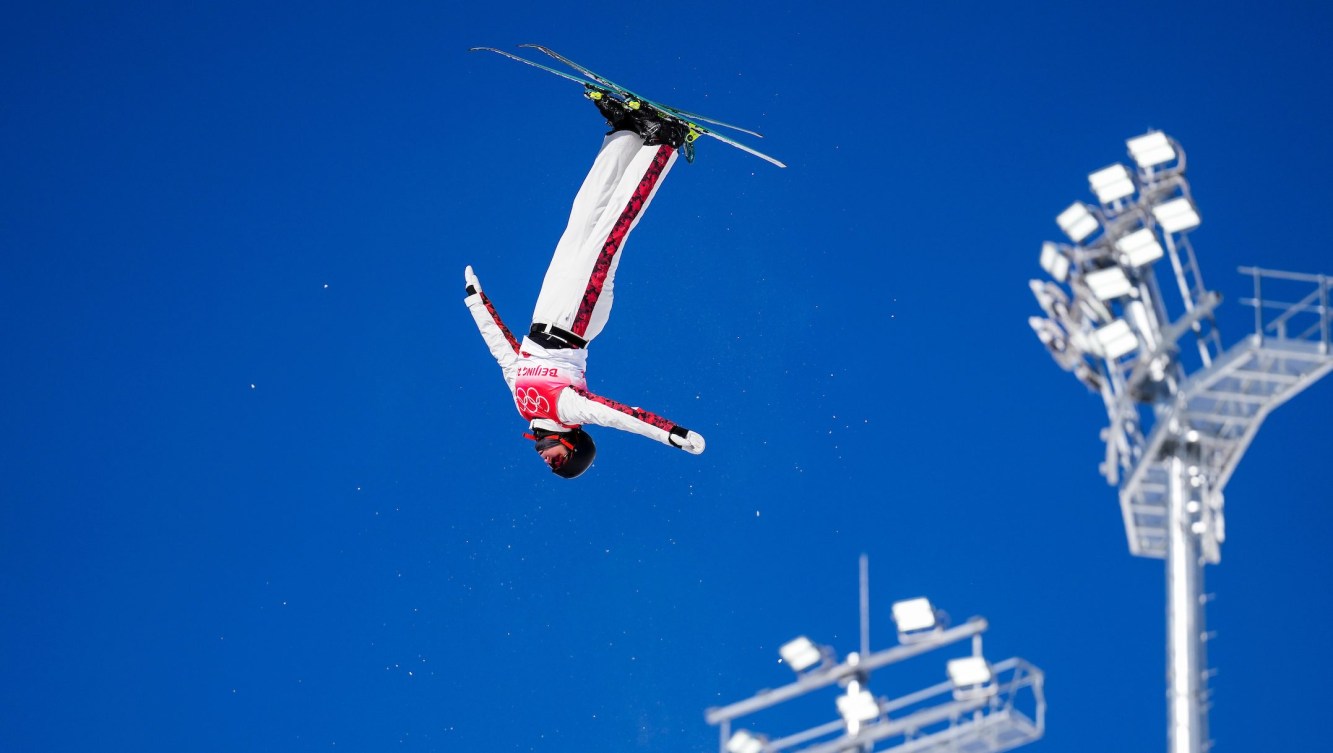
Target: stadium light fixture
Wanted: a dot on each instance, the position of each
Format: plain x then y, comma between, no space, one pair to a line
1140,247
800,654
1177,425
971,677
914,617
1176,215
1111,183
745,741
1055,263
858,721
1151,149
857,706
1077,222
1108,284
1115,339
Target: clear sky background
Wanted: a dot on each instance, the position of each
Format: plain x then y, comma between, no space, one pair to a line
263,489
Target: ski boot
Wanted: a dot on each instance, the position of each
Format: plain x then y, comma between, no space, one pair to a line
618,114
655,127
658,128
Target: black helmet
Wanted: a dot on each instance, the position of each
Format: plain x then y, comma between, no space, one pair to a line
581,450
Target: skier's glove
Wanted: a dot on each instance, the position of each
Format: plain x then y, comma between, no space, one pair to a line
687,440
473,284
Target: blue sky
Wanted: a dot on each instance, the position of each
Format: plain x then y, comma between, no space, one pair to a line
263,488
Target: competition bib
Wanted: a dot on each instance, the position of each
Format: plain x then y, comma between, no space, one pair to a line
537,390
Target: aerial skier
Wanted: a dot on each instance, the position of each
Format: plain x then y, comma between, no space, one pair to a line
545,371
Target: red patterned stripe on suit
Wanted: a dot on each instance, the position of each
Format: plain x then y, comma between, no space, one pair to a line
490,309
665,424
612,245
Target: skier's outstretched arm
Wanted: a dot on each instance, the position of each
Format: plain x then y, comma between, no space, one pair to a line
497,336
579,406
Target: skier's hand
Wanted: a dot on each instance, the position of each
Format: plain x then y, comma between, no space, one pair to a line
473,284
691,442
694,443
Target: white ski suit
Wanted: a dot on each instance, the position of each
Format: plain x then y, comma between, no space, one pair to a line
545,373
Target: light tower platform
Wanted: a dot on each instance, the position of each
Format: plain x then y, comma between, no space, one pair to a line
1223,406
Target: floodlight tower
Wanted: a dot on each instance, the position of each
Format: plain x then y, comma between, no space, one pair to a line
980,708
1180,414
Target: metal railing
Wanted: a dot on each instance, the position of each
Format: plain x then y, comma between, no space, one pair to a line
1292,315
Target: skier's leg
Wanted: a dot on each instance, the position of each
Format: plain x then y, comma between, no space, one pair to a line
578,289
594,195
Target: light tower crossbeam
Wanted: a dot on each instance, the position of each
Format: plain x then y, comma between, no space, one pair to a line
981,708
832,675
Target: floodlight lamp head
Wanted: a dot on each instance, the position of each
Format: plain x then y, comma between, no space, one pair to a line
1177,215
1109,283
1077,222
972,677
800,654
857,706
1140,247
916,619
1115,339
1054,262
1151,149
745,741
1111,184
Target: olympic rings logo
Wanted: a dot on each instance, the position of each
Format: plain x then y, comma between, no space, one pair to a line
529,401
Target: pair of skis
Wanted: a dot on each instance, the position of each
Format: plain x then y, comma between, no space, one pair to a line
595,82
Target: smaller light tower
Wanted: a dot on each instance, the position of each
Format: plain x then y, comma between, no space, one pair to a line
980,707
1180,414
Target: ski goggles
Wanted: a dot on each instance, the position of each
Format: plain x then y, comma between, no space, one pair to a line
548,441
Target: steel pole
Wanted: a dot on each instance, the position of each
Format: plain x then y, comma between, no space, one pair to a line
1184,615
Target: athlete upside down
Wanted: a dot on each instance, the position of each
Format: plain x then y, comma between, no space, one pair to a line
545,372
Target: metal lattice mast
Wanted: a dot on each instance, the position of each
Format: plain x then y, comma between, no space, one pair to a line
1179,418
